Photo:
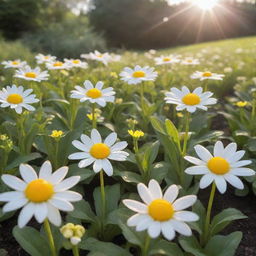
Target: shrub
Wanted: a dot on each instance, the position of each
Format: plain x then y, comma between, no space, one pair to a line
69,38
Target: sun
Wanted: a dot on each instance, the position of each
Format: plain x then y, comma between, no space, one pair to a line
206,4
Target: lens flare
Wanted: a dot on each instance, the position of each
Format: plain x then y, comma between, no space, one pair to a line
206,4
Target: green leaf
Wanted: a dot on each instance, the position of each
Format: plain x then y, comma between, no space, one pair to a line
150,155
130,177
132,236
221,220
199,209
191,245
166,248
95,246
157,125
22,159
112,192
159,171
223,245
172,131
83,211
31,241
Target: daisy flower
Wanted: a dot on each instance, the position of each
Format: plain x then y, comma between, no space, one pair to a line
138,74
162,60
221,167
17,98
30,74
161,213
206,75
57,65
98,152
40,58
95,94
76,63
184,99
96,55
190,61
40,195
14,63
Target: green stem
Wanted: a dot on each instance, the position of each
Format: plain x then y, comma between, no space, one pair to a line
146,246
208,215
206,85
75,250
102,190
142,98
94,119
184,150
50,237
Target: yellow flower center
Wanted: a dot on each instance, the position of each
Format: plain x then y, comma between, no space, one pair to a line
99,55
139,74
76,61
166,59
94,93
58,64
189,61
218,165
160,210
15,98
15,63
30,74
39,190
191,99
100,151
46,57
207,74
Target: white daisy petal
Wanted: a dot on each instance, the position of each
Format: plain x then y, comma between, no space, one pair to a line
234,181
95,136
67,184
135,219
171,193
58,175
10,196
27,173
194,160
168,231
221,184
155,189
26,214
14,182
45,170
203,153
41,212
206,180
242,172
144,223
218,149
181,227
184,202
107,167
144,193
186,216
135,206
111,139
15,204
85,162
61,204
197,170
53,215
154,229
68,195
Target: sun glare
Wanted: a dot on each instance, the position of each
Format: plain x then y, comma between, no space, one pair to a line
206,4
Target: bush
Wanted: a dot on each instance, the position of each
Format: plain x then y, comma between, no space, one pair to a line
18,16
69,38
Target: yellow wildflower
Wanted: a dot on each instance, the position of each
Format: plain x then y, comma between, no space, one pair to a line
136,134
57,134
113,74
241,104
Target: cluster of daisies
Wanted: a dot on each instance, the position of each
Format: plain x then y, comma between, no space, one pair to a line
44,194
